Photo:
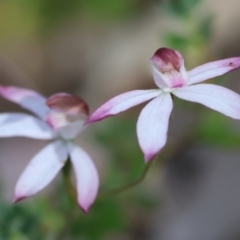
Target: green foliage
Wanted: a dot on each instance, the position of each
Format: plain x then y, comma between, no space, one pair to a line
26,16
105,217
177,41
17,19
126,162
205,28
19,222
109,9
181,8
218,130
195,29
51,12
197,34
54,12
43,220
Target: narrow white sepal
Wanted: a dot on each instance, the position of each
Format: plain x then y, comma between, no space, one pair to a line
24,125
87,179
213,96
152,125
41,170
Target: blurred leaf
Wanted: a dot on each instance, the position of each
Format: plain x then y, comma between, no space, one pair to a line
205,28
109,9
18,222
126,163
25,221
146,201
181,8
105,217
17,19
177,41
51,12
50,217
54,12
219,130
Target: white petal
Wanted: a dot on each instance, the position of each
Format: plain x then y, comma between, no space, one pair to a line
213,69
158,78
28,99
41,170
152,125
24,125
71,130
86,176
121,103
215,97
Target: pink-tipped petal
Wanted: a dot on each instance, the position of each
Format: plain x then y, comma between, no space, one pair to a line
121,103
168,69
68,104
87,179
41,170
152,125
24,125
213,69
27,99
215,97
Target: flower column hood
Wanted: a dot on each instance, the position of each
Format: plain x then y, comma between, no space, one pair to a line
168,69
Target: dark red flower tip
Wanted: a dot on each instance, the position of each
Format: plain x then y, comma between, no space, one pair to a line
167,59
67,103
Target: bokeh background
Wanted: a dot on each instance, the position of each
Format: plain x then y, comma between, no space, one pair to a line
97,49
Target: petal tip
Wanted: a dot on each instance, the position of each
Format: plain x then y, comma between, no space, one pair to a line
84,207
89,120
85,210
85,204
18,198
149,156
97,117
5,91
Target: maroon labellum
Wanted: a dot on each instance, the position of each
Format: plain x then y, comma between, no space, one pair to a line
67,103
166,60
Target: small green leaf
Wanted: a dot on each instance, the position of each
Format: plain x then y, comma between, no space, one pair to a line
219,130
205,28
106,217
177,41
181,8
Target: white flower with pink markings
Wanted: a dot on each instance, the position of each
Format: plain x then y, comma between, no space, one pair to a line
60,117
171,77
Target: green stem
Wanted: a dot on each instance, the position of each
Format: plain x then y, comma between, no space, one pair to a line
127,186
180,146
66,171
71,201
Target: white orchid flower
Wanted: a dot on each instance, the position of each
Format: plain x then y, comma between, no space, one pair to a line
61,118
171,77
